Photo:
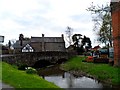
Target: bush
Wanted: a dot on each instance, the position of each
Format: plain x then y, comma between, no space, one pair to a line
31,70
22,67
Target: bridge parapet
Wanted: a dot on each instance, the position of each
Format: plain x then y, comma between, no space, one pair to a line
30,58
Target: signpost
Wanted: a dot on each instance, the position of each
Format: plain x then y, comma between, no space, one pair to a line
1,39
111,52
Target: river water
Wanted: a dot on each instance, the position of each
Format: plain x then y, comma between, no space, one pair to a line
67,80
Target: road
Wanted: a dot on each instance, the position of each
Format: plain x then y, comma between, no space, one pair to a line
4,86
6,55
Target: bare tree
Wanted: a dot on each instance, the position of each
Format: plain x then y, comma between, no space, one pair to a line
101,17
69,33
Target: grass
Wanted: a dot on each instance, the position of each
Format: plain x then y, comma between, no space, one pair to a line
20,79
0,71
103,72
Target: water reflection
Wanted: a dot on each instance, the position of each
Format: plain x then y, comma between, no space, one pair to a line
67,80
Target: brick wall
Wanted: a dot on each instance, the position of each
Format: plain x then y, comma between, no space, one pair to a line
116,31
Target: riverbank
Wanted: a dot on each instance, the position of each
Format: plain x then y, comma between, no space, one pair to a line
20,79
103,72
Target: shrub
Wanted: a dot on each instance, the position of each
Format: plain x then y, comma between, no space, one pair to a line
22,67
31,70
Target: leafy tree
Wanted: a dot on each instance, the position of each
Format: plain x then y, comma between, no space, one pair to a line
79,42
26,38
86,42
105,32
77,38
69,33
101,17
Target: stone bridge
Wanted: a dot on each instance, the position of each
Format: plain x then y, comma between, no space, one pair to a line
31,58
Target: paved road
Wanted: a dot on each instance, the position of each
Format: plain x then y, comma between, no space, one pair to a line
4,86
6,55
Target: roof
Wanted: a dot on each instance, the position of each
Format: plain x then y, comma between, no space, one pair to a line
47,39
39,39
17,44
96,47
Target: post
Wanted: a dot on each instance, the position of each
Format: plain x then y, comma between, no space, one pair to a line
43,43
1,41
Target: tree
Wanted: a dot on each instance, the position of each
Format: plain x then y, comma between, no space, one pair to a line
69,33
26,38
9,44
79,42
21,38
101,17
105,32
77,38
86,42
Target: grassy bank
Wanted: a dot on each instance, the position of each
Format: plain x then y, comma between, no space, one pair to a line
19,79
0,71
103,72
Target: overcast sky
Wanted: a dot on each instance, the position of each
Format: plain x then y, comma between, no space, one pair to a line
49,17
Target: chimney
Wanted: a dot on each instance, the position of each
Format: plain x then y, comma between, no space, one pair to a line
62,36
42,35
43,43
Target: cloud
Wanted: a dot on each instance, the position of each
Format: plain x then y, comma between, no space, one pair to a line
51,17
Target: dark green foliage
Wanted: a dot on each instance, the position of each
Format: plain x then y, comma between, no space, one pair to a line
21,38
26,38
22,66
86,42
77,44
81,42
9,44
76,39
31,70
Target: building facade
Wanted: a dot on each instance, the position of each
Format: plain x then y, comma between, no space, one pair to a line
39,44
115,10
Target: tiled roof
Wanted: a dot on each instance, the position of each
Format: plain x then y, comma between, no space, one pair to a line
47,39
38,39
17,44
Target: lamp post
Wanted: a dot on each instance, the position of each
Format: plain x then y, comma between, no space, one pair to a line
1,39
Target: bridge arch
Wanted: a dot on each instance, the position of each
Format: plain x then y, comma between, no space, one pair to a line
61,60
41,63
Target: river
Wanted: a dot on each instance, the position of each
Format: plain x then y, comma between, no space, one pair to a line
67,80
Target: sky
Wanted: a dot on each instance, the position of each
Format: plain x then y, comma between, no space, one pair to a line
49,17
